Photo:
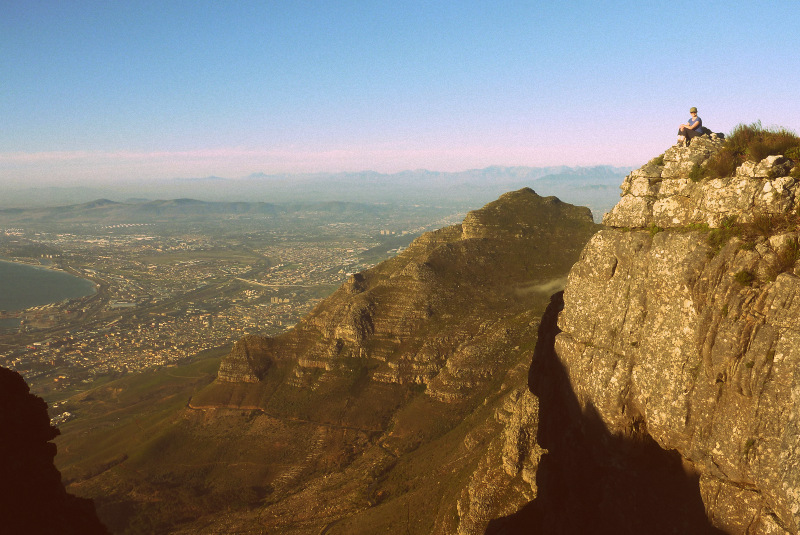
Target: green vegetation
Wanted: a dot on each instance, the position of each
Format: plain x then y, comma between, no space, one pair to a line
748,245
748,446
702,227
770,224
744,277
659,160
794,155
756,142
752,142
763,225
719,237
729,222
654,229
696,173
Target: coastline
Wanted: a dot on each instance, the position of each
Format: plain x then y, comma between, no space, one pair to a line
55,288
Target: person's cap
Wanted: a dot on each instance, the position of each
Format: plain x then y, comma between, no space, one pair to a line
692,110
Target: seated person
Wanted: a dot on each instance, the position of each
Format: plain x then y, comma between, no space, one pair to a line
691,129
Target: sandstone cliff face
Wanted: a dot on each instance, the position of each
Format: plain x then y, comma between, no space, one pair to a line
692,332
246,363
661,193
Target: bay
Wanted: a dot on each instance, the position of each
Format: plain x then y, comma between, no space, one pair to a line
24,286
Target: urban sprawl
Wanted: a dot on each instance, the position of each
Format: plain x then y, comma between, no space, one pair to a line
164,297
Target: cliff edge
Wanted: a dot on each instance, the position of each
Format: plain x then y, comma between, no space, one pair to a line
681,323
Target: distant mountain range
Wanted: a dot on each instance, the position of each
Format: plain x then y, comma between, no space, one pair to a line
138,211
595,187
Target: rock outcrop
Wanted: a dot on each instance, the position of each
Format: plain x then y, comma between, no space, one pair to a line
32,497
662,194
682,322
246,362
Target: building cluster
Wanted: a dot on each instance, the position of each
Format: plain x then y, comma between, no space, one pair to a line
166,296
162,301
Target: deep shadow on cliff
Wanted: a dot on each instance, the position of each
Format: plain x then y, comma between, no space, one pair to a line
32,498
592,481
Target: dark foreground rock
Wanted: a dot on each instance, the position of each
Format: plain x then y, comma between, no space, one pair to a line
32,497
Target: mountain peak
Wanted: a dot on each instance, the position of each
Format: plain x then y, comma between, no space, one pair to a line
420,278
98,203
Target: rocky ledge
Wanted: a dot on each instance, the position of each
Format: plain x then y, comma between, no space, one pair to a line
682,321
663,194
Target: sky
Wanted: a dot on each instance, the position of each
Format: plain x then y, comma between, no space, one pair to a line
98,91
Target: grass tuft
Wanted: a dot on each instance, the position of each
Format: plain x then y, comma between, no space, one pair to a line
789,256
748,446
702,227
752,142
718,237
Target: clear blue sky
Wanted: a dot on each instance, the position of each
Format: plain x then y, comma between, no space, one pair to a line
99,90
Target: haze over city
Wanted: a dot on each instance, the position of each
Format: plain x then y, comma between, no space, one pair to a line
96,91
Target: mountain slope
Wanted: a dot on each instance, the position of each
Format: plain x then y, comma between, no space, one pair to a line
444,391
376,406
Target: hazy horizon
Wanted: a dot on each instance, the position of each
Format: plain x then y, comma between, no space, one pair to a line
596,187
152,91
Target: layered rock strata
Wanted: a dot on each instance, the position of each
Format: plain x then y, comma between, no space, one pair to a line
406,380
690,330
418,315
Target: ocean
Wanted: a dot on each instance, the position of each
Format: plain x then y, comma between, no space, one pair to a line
23,286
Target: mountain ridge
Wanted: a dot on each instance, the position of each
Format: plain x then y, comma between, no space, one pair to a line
398,372
481,186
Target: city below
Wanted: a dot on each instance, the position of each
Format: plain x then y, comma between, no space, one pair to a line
172,291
